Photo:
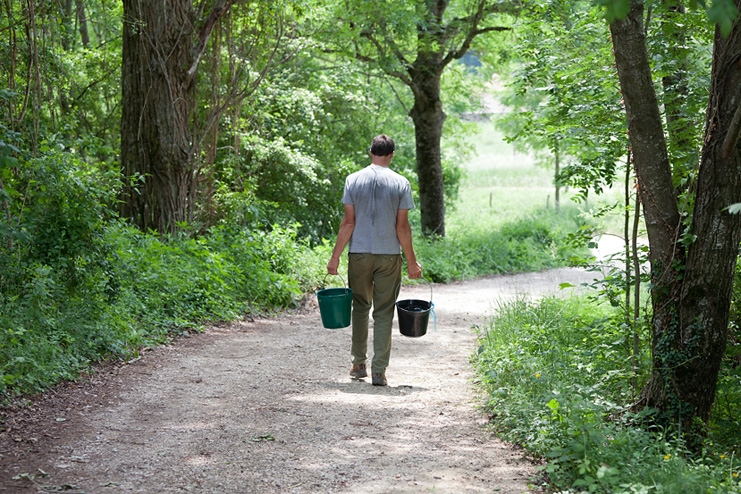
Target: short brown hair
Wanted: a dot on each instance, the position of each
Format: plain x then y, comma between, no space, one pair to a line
382,145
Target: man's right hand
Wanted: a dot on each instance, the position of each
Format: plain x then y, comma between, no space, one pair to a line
414,270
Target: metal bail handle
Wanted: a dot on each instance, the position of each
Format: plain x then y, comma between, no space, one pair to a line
432,305
324,281
429,283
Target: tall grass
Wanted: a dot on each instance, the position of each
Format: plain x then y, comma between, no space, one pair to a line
142,291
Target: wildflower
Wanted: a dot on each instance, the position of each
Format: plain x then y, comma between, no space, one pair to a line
537,375
722,456
666,457
735,474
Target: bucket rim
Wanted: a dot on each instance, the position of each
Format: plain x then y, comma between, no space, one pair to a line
412,301
333,293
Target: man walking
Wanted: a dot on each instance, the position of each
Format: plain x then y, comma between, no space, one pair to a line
377,201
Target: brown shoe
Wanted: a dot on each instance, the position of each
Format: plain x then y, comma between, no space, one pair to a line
358,371
379,379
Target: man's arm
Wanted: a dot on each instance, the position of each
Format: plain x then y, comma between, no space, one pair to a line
343,237
404,234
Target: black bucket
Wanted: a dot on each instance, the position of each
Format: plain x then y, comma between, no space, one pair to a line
335,306
414,316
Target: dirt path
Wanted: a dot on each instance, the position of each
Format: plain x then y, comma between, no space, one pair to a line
268,406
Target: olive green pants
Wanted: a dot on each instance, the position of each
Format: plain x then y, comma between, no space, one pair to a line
375,280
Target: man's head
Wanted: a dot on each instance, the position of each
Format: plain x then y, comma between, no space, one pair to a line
382,145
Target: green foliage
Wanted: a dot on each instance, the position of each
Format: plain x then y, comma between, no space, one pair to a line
56,284
181,283
614,9
722,13
77,286
75,90
532,242
726,424
557,373
571,110
309,129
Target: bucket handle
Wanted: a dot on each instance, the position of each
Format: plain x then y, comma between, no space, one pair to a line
432,305
429,283
324,281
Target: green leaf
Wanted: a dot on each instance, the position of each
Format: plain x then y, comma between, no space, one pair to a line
615,9
262,438
735,208
723,13
7,161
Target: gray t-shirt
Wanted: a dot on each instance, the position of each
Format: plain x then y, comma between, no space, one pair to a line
377,194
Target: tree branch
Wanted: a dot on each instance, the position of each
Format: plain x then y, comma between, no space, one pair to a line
404,77
472,22
221,8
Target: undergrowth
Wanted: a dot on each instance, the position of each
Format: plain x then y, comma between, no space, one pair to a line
557,376
139,291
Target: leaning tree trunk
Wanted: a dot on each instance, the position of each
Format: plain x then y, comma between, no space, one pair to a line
158,98
692,286
428,117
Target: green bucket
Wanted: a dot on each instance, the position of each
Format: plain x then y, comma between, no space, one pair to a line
335,306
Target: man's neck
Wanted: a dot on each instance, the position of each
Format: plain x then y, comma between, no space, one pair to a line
383,161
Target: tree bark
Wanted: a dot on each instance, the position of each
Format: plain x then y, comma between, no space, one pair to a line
156,147
711,260
692,276
428,117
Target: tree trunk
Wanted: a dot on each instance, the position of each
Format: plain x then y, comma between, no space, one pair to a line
692,286
82,21
158,95
711,260
428,117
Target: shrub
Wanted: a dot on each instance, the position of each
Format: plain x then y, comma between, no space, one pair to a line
534,242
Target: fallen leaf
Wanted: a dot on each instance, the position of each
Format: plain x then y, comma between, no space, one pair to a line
262,437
